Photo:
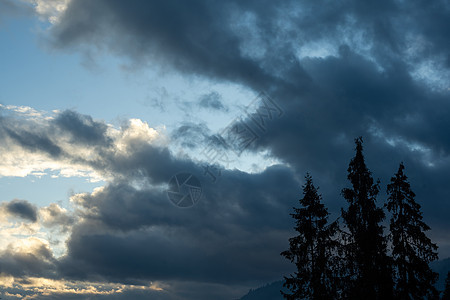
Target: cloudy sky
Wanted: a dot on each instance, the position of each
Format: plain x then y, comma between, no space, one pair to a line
104,102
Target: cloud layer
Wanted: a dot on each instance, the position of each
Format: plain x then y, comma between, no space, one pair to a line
128,232
338,70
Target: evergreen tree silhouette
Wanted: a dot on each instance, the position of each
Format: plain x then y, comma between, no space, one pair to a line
312,250
366,270
412,250
446,295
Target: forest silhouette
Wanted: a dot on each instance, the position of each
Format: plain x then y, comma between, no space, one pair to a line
355,256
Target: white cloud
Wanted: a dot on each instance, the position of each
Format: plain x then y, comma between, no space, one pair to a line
26,111
136,132
75,159
50,10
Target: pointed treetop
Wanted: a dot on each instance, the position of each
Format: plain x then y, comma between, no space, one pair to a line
359,149
308,177
401,167
358,173
359,142
412,250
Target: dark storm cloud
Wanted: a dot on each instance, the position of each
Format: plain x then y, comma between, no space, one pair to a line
22,209
194,37
351,98
155,164
82,127
122,207
366,87
220,39
209,242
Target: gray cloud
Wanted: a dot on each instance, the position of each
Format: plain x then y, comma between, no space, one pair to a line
53,216
194,37
210,242
127,230
212,101
22,209
367,85
36,261
30,139
82,128
191,135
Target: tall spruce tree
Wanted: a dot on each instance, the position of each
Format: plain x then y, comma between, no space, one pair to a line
366,270
312,250
446,295
412,250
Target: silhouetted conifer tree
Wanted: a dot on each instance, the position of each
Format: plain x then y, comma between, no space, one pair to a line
366,270
446,295
412,250
312,250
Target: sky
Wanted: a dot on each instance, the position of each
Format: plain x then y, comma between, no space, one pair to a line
107,107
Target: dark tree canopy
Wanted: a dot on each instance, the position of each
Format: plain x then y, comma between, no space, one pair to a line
366,269
412,250
353,262
446,294
312,250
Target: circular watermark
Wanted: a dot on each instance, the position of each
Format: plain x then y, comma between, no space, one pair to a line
184,190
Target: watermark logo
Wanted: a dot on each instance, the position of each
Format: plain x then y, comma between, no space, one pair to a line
226,146
184,190
240,133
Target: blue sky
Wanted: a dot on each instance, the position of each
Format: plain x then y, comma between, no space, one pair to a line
105,87
102,102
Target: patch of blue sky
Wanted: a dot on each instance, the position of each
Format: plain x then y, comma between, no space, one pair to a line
46,79
44,190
